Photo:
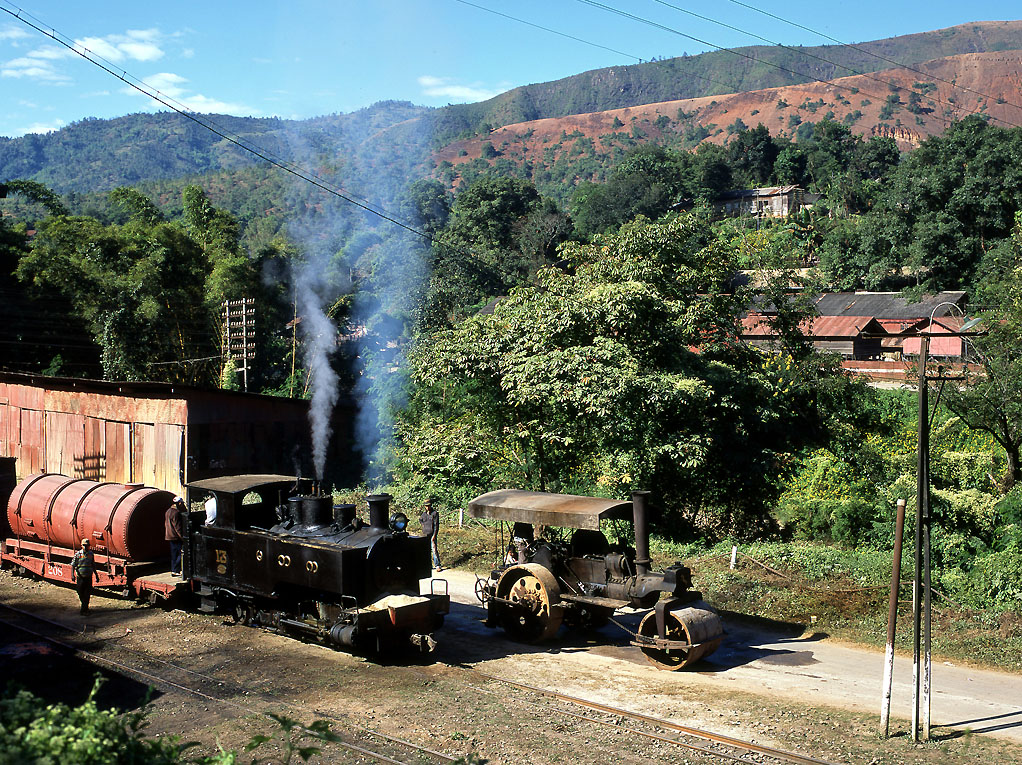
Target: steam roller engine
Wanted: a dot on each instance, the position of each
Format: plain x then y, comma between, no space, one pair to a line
299,564
583,580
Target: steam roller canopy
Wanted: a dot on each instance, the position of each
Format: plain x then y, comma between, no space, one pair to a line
696,626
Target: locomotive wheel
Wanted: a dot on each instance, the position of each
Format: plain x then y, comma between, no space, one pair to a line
534,613
697,625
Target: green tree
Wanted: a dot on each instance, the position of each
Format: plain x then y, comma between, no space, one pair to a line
991,401
588,383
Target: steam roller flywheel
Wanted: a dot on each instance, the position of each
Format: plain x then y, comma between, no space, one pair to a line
696,625
529,602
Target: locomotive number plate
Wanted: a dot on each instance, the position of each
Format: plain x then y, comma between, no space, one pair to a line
221,561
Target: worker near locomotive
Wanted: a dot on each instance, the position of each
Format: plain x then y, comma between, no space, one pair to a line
174,532
83,566
279,555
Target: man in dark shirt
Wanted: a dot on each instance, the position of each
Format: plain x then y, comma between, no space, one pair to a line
83,565
174,528
430,520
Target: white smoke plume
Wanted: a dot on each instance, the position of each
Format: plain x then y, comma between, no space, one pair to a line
319,336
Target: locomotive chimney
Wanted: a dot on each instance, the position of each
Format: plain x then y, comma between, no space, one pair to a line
640,517
315,510
344,515
379,510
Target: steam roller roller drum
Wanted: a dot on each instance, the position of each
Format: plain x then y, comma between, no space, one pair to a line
697,625
530,603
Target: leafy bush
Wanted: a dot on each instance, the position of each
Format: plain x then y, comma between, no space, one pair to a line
31,732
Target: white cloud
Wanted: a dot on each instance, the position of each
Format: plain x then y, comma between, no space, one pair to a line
43,127
37,65
42,63
133,45
445,87
173,87
13,33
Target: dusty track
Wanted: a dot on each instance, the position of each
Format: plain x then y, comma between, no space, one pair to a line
437,704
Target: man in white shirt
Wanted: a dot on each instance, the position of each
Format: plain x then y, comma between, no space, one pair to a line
210,510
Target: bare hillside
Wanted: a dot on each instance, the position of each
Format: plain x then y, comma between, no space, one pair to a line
899,103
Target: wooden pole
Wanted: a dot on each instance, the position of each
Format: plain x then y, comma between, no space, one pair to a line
892,620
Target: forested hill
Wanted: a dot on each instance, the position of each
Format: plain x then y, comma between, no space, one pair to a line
393,137
99,155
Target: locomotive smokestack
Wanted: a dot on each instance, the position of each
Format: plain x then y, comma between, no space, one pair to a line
379,510
640,516
344,515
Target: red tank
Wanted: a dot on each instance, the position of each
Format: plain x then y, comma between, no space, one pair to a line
120,519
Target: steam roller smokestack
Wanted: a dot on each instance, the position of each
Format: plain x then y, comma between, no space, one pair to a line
379,510
640,517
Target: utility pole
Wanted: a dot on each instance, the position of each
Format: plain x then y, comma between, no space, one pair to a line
239,334
921,599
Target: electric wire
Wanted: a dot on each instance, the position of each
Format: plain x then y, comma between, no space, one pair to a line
864,50
694,75
736,52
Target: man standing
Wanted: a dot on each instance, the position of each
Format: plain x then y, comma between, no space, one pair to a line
174,523
83,565
430,520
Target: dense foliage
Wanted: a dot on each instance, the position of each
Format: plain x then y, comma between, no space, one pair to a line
621,369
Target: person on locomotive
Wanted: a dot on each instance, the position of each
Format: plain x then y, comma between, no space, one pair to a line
430,520
174,533
210,507
83,566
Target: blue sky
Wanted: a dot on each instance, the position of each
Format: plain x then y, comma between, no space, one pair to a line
301,58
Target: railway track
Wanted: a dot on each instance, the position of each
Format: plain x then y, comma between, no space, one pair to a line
374,745
725,748
365,743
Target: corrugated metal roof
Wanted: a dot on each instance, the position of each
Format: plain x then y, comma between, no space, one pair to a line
885,305
880,305
821,326
564,510
765,191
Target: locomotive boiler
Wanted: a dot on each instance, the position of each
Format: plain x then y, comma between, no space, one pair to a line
583,580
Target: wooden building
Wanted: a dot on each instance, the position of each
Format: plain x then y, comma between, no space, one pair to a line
158,434
851,337
767,202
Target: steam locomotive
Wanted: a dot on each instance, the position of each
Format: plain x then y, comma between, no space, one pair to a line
277,555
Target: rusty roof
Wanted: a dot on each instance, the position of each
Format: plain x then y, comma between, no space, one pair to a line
565,510
755,325
234,484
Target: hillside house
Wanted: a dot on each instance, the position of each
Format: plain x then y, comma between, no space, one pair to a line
767,202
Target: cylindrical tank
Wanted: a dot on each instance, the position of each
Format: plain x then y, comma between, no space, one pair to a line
120,519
